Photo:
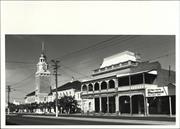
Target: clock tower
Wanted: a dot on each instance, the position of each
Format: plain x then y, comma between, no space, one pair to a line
42,78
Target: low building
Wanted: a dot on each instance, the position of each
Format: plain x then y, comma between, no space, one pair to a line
30,98
69,89
72,89
125,85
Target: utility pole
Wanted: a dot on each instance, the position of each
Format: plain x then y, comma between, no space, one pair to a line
169,75
56,66
9,90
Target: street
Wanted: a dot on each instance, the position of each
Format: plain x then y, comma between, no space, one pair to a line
51,120
20,120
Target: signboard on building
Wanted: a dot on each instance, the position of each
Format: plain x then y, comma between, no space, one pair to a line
159,91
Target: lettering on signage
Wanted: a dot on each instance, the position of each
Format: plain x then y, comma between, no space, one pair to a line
156,92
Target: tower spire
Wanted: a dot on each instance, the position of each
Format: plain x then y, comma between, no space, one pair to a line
42,45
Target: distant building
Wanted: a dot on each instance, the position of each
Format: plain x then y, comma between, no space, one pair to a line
125,85
30,98
69,89
42,79
16,103
43,92
42,83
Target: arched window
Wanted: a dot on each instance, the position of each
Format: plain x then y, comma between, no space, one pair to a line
111,84
103,85
90,87
84,88
96,86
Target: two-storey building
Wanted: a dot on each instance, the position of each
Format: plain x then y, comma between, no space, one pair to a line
125,85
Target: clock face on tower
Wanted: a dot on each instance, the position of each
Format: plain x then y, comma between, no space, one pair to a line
44,67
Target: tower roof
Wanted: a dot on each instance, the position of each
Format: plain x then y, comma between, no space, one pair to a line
42,48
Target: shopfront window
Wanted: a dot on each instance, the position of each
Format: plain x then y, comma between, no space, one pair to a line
158,105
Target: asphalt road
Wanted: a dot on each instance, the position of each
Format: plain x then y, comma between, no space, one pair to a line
22,120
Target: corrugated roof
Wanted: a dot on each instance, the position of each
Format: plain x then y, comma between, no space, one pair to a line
70,85
31,94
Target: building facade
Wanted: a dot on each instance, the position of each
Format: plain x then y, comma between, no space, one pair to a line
43,93
42,79
125,85
72,89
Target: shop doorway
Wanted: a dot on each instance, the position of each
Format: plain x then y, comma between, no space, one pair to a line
97,105
138,104
158,105
124,104
104,104
112,104
173,104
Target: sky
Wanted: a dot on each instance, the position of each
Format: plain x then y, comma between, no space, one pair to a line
79,55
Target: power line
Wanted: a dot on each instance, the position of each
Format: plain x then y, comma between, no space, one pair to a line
95,45
22,81
105,42
162,56
74,71
20,62
118,44
92,46
71,53
108,44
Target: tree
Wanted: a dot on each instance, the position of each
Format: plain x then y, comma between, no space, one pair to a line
68,104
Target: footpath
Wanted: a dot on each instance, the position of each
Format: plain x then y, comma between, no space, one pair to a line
147,120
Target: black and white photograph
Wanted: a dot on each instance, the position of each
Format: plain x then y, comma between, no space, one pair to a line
89,64
90,79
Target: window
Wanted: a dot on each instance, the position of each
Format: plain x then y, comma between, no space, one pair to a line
103,85
137,79
84,88
96,86
150,78
111,84
123,81
90,87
